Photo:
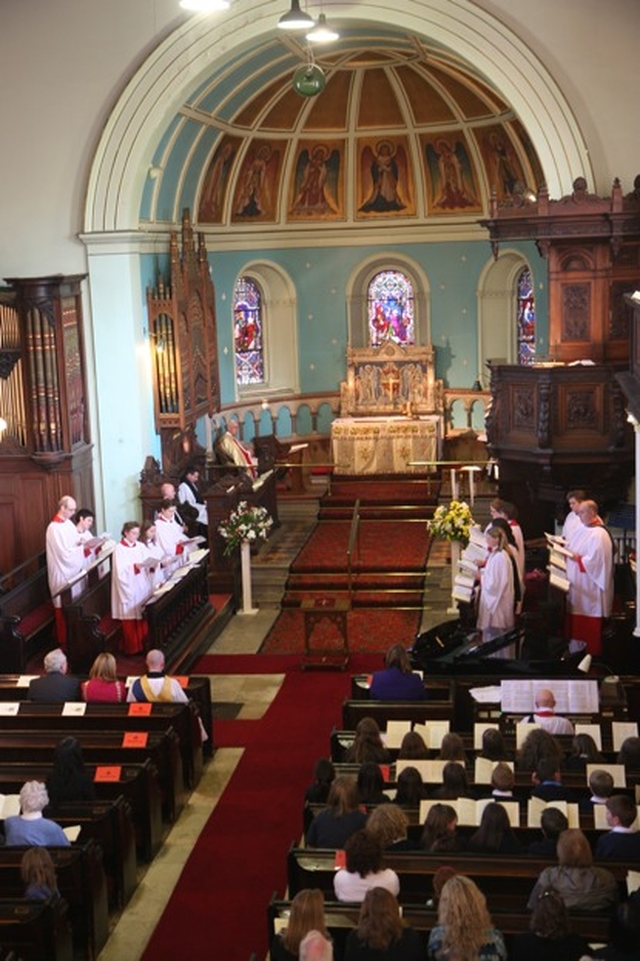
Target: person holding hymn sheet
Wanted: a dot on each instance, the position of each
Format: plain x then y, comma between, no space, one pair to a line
305,914
231,450
131,585
572,521
170,535
590,574
496,606
66,558
397,682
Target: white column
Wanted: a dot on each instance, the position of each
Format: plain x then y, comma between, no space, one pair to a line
245,557
455,558
454,484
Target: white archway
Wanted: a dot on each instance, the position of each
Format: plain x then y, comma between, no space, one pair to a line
497,339
175,67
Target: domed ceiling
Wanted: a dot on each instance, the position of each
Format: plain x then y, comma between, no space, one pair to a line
402,131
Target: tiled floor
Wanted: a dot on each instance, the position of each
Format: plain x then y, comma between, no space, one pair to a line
254,693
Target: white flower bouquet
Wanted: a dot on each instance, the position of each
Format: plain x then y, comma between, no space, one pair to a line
245,523
452,523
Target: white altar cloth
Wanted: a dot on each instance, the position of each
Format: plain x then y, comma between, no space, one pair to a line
384,445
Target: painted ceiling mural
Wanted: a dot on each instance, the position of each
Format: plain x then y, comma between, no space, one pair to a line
402,131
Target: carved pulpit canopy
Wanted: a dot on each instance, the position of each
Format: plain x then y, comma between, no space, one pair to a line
391,379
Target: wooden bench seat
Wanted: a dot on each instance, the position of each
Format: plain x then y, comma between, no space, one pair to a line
35,930
81,882
87,611
507,881
26,614
138,784
382,711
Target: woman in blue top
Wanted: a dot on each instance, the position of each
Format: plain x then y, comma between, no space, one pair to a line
397,682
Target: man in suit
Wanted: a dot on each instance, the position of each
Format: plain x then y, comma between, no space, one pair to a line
55,684
622,842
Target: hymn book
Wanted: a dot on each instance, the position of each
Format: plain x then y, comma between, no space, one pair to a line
470,812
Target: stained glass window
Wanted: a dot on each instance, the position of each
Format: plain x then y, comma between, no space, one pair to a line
526,319
390,308
248,332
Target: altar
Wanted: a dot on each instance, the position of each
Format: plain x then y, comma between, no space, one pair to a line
385,445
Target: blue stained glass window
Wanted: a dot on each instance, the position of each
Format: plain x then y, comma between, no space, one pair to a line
526,319
390,308
248,332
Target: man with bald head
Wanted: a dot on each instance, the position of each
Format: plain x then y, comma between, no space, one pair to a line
66,558
545,715
155,685
590,573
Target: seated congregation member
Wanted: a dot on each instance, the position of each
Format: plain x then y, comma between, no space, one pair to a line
547,781
538,744
413,747
582,886
454,783
189,497
38,874
389,824
397,682
370,783
496,605
103,685
452,748
502,782
493,746
342,817
550,936
464,930
306,914
494,834
367,744
30,827
131,586
584,750
622,842
440,829
68,779
56,684
553,822
155,685
315,947
544,714
629,753
323,777
601,787
231,450
364,870
410,789
624,943
381,934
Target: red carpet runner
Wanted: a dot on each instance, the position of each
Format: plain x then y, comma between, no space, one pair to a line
218,910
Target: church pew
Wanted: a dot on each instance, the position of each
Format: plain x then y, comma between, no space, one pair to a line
106,748
35,930
341,918
138,784
437,688
182,718
26,614
507,881
383,711
173,615
87,612
81,882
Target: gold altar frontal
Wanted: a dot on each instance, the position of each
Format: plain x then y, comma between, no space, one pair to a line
384,445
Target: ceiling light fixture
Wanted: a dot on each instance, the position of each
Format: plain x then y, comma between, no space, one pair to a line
204,6
322,33
295,19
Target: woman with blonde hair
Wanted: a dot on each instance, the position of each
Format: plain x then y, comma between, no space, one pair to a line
340,819
389,824
380,933
464,931
306,914
103,685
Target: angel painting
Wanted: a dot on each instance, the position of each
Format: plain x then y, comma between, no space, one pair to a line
452,180
255,196
316,182
215,184
387,171
503,165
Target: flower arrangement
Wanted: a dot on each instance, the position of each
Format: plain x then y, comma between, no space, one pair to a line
452,523
245,523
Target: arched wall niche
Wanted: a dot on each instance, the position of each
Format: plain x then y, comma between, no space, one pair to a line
497,339
356,295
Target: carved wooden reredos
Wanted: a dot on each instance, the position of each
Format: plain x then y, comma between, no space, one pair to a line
182,329
391,379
